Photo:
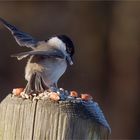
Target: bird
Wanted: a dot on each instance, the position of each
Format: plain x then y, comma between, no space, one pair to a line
47,59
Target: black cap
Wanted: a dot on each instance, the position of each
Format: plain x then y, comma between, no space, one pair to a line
69,44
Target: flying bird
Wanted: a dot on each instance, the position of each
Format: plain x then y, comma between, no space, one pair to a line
48,59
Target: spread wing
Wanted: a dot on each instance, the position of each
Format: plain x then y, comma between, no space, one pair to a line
22,38
50,53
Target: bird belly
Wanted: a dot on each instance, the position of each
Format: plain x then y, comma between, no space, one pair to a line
53,71
50,70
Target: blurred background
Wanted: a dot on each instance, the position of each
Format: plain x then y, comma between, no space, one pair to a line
107,58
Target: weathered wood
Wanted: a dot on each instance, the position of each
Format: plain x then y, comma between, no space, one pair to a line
46,120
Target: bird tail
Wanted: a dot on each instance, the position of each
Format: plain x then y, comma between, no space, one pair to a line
36,84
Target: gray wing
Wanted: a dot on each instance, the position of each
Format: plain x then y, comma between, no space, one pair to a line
22,38
50,53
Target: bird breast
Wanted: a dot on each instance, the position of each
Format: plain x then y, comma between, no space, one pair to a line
51,69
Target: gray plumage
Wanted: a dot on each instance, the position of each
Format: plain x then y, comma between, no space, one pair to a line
47,60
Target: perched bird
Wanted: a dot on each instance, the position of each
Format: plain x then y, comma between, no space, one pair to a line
48,59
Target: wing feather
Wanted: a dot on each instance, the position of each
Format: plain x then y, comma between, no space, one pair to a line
50,53
22,38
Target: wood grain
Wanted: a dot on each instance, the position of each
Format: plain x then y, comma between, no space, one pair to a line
46,120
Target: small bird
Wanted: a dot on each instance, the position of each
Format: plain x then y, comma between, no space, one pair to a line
47,61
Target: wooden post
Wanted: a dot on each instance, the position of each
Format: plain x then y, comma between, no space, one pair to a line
25,119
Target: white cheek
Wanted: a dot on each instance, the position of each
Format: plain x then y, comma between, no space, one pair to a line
57,43
63,47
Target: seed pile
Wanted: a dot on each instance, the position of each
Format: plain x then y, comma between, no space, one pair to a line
55,95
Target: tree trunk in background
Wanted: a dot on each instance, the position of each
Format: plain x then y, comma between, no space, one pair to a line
124,58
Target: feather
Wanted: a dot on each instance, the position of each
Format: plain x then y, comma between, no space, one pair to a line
36,84
22,38
49,53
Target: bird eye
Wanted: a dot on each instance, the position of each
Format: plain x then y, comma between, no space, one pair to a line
69,50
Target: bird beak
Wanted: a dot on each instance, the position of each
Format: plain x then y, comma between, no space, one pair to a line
69,60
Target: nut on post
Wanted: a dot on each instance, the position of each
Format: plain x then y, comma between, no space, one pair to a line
17,91
86,97
54,96
73,94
